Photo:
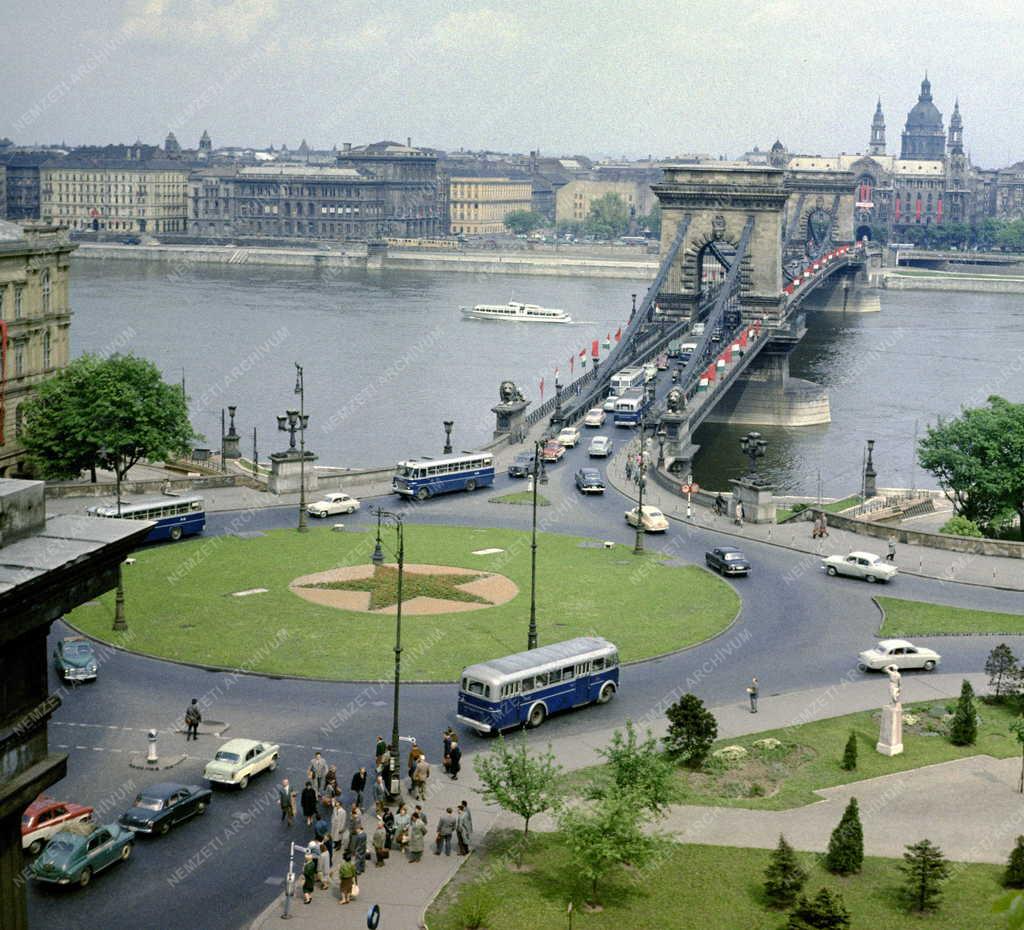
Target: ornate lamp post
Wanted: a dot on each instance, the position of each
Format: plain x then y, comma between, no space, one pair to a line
378,552
300,389
120,623
753,446
870,475
539,476
641,465
388,516
448,424
662,435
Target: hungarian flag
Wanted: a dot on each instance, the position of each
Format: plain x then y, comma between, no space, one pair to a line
618,334
939,213
572,363
917,210
607,344
594,350
542,389
897,208
583,357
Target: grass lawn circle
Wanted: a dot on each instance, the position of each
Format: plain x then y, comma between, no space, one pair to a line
181,603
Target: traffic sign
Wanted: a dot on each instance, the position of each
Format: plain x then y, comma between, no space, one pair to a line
694,487
691,488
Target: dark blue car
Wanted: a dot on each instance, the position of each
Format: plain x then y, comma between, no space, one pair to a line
159,807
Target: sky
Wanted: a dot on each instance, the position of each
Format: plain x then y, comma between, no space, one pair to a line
605,78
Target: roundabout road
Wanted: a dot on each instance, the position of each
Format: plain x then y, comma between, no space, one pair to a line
797,629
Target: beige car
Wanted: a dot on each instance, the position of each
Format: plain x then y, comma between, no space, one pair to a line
568,437
238,760
595,417
654,520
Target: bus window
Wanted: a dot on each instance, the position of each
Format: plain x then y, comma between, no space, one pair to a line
567,673
478,687
527,684
554,677
582,668
597,664
541,679
612,660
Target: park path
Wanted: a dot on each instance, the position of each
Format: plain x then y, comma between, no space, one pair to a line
895,809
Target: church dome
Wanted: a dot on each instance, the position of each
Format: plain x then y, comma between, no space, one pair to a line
925,115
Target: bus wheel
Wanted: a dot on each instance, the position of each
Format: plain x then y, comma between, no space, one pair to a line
422,494
471,485
175,533
606,693
537,716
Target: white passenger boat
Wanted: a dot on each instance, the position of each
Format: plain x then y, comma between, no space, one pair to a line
513,310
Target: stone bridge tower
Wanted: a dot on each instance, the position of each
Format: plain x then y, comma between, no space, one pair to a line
818,200
719,199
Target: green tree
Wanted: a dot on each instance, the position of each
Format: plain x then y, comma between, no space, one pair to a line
637,767
785,877
652,221
963,729
605,835
978,459
986,232
825,911
519,781
523,221
924,870
609,217
568,228
110,412
1000,667
1014,875
846,845
1017,729
849,762
960,526
692,730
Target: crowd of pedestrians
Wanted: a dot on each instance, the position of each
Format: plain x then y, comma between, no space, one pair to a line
341,846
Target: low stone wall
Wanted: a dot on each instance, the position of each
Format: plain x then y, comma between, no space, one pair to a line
151,486
519,263
182,256
981,285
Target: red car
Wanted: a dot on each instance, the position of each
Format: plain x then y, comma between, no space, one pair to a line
553,452
44,817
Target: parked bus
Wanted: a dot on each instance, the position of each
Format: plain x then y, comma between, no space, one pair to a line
631,407
425,477
526,688
175,517
625,379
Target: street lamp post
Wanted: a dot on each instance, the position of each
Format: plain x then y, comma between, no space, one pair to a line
300,389
638,546
662,435
448,424
539,477
378,552
120,623
396,519
753,446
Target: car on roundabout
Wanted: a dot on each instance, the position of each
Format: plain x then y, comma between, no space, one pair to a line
45,817
898,652
595,417
609,402
331,504
75,659
238,760
553,452
864,565
588,481
521,466
654,521
727,560
81,850
600,447
569,436
159,807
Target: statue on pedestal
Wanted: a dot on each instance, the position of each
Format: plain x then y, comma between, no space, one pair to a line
895,687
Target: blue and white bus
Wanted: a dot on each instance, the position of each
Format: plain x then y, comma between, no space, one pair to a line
526,688
628,378
175,517
631,407
425,477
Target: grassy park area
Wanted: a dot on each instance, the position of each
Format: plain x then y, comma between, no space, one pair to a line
783,514
203,601
919,618
711,887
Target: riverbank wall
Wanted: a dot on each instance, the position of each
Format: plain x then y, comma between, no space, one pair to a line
979,284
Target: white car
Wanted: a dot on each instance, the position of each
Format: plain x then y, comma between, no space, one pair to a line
600,447
332,504
609,402
865,565
238,760
595,417
568,437
900,653
654,520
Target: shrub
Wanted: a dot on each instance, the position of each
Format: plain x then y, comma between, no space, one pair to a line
1014,876
963,730
729,755
768,744
925,870
784,878
961,526
846,845
692,730
475,907
825,911
850,754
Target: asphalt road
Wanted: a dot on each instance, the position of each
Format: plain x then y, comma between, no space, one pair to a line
797,629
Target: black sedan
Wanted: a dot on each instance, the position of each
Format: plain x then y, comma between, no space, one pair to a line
588,481
521,466
159,807
727,561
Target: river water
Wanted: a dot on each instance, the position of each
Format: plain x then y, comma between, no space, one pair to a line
387,357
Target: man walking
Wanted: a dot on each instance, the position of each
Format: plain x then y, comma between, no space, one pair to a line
417,831
357,846
380,749
891,554
338,828
358,785
287,801
463,828
192,720
454,760
445,829
318,767
419,778
753,691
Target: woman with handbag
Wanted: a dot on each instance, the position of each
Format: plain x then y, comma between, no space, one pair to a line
308,878
347,877
402,822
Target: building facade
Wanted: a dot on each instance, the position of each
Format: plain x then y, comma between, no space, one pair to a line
573,200
477,206
22,171
126,196
35,317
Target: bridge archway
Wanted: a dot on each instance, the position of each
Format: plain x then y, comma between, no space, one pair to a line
863,232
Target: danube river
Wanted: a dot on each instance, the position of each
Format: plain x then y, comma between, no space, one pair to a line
388,357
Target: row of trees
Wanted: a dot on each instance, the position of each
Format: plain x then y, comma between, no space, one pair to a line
978,459
608,218
1007,235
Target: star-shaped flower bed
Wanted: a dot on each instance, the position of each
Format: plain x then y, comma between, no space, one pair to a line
382,587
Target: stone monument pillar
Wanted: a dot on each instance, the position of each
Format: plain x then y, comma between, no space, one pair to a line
509,411
286,472
674,421
757,497
890,738
232,440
